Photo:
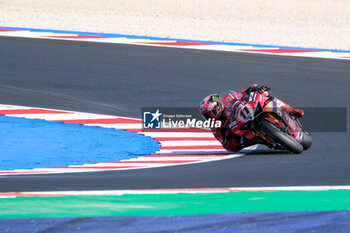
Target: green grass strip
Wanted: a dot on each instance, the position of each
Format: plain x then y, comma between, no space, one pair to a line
173,204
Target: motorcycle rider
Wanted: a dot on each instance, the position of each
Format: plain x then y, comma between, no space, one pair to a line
230,109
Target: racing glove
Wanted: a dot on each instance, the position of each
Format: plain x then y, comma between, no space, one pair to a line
260,88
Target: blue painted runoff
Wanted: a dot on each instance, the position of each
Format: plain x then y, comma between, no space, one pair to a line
28,143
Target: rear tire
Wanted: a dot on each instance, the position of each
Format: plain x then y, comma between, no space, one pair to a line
280,137
307,140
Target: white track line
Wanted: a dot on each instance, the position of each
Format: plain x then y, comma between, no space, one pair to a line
175,191
173,43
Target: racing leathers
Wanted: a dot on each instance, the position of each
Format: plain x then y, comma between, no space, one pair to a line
235,114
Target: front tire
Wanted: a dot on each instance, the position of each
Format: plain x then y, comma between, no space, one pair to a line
285,140
307,140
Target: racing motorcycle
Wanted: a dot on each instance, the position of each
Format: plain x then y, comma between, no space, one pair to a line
268,124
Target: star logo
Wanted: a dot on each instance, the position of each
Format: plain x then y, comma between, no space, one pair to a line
156,115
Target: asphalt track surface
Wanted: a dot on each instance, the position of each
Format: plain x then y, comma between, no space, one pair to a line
120,79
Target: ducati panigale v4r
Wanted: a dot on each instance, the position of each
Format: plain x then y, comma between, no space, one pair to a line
270,125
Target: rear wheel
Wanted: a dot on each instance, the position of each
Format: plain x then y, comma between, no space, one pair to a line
284,139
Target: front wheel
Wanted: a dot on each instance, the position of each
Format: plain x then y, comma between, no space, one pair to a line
284,139
307,140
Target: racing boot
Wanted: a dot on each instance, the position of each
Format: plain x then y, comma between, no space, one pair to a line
245,141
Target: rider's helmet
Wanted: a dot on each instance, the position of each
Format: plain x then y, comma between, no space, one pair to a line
211,107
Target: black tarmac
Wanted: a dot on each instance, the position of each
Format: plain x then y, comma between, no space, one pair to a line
121,79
